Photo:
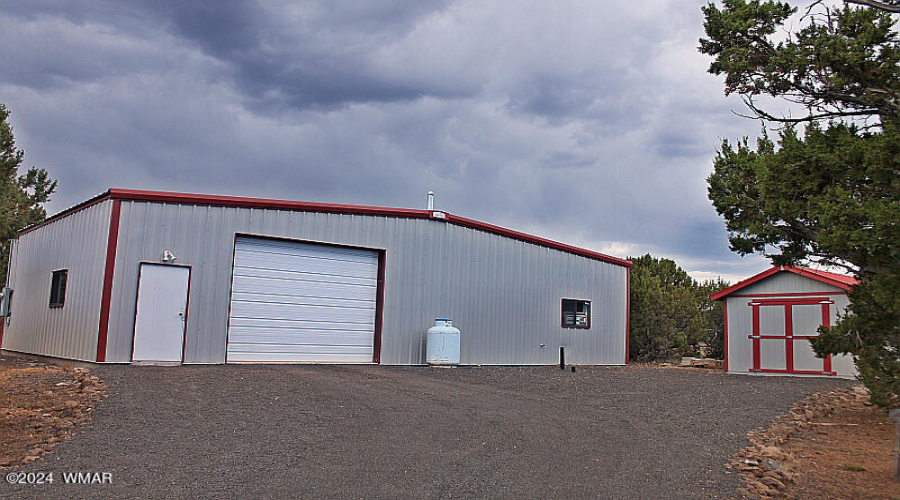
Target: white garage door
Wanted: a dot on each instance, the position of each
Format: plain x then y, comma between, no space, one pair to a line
302,302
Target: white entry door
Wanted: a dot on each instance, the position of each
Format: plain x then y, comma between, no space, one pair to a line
161,313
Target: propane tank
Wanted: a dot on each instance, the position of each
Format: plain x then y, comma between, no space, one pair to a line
442,343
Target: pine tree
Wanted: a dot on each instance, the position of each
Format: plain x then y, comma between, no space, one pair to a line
21,196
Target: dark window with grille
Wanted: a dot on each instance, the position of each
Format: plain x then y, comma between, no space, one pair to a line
58,288
576,313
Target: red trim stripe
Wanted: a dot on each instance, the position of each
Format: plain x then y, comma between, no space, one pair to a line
826,322
801,372
379,308
756,360
243,202
790,294
789,337
502,231
69,211
797,301
836,280
725,340
106,298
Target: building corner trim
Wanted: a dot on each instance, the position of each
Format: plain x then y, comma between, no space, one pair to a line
106,299
627,314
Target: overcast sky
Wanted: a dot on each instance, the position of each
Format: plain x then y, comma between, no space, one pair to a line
592,123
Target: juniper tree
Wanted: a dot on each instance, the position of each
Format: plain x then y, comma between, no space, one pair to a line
826,188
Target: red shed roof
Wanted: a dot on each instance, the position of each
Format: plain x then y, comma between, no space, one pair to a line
303,206
833,279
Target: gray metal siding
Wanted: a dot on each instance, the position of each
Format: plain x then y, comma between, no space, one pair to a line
786,282
740,319
503,294
77,243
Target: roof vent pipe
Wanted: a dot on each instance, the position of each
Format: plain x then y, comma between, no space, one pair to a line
431,200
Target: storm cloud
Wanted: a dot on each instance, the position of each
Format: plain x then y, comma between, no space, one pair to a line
592,123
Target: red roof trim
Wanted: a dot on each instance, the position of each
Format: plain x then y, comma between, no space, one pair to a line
69,211
850,281
839,280
243,202
502,231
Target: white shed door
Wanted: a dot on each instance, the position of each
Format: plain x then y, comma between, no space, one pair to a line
302,302
161,313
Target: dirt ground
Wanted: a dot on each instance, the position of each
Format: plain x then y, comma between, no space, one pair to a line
854,455
833,444
41,405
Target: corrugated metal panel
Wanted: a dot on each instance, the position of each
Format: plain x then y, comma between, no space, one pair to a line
740,325
77,243
805,321
302,302
503,294
843,365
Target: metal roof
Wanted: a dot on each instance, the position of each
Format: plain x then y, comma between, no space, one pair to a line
833,279
303,206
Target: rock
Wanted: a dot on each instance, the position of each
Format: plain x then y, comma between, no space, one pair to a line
784,476
71,404
774,483
761,491
773,452
770,464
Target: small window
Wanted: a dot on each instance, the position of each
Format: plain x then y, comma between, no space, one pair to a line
576,313
58,288
6,305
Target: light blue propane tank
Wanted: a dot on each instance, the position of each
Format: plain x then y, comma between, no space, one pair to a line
442,343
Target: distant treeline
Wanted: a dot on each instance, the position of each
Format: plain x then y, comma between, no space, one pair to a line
671,314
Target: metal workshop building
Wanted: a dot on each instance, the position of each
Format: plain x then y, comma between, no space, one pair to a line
142,276
770,317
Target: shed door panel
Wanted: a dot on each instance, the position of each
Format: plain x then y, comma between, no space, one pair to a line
302,302
806,321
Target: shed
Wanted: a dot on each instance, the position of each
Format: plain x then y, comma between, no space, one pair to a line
144,276
770,317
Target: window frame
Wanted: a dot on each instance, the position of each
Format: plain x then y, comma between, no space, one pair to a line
57,292
578,303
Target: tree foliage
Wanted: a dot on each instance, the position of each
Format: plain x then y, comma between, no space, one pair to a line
671,314
841,63
21,196
829,192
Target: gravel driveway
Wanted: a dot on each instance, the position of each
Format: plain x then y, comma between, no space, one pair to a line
299,431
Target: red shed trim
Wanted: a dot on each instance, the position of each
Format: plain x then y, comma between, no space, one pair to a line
837,280
302,206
